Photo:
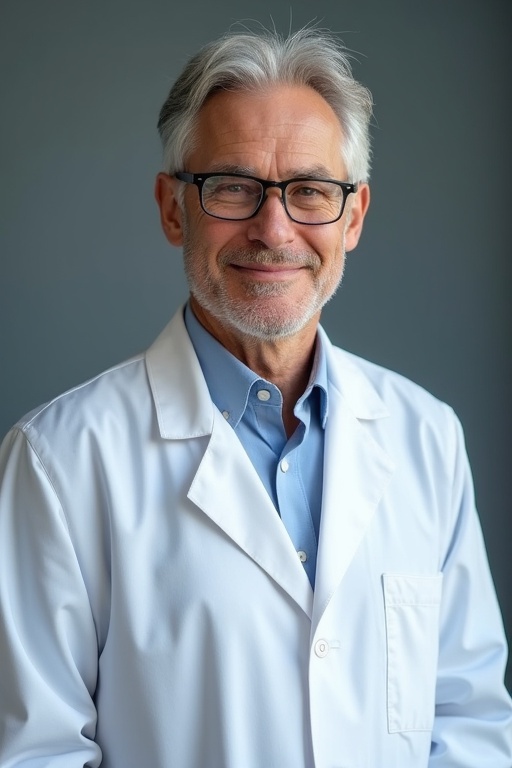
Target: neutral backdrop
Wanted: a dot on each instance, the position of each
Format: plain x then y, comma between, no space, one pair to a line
87,279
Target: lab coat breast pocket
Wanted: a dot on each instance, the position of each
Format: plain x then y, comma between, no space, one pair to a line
412,605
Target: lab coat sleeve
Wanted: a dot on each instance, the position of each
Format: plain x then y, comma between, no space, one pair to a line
48,645
473,722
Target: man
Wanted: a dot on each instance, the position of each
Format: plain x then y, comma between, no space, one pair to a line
247,548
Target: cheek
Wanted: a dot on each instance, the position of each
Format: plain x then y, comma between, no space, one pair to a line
330,248
214,236
329,237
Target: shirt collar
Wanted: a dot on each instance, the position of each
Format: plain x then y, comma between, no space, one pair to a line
229,381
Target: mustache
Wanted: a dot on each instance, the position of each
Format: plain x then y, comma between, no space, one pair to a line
244,257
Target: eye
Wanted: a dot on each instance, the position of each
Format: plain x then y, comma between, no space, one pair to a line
234,189
306,191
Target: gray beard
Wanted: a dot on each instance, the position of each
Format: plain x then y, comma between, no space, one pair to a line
248,318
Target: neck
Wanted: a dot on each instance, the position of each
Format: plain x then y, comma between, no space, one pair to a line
285,362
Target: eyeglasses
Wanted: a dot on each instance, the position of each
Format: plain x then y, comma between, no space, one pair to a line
236,197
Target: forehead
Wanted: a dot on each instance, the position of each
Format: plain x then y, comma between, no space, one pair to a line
282,130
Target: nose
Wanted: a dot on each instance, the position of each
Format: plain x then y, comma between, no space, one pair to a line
271,226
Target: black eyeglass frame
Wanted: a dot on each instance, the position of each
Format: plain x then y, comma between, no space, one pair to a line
199,179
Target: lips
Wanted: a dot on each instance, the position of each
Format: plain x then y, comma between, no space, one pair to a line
268,273
256,267
269,261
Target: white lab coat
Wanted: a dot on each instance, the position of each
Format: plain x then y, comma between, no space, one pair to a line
155,613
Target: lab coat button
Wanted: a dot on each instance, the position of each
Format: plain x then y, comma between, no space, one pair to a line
263,395
321,648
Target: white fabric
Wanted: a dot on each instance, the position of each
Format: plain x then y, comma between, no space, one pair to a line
155,612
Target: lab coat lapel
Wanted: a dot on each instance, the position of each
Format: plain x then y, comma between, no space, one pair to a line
227,488
356,473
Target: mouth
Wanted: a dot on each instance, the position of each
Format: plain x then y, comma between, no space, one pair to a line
268,272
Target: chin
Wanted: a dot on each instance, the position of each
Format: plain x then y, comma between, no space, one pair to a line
258,320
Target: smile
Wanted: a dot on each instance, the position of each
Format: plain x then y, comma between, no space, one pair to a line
269,271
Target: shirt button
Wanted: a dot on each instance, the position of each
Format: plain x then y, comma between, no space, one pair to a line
225,414
263,395
302,555
285,466
321,648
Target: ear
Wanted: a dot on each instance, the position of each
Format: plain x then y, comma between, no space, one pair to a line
356,215
166,196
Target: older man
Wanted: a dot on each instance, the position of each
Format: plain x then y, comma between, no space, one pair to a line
247,548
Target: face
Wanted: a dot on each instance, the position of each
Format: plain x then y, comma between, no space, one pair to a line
267,277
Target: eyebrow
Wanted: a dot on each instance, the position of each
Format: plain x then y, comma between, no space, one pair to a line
227,168
308,172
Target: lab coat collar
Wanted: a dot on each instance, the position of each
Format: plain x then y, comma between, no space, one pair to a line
182,400
351,384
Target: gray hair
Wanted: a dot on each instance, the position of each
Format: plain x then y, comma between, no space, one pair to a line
250,61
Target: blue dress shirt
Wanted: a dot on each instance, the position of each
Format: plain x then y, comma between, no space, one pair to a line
291,469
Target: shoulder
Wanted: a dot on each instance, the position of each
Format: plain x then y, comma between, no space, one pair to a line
122,392
349,372
400,409
97,411
389,384
99,393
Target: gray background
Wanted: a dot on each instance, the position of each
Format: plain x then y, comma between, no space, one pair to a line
87,278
